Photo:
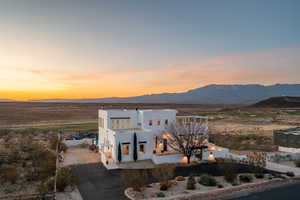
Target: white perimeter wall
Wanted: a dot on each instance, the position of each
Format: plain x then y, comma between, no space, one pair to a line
217,154
288,150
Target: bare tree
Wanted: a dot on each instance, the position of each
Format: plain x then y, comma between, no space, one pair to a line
187,138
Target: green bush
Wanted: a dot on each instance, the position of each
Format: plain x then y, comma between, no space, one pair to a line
190,184
290,174
207,180
163,173
227,168
259,175
276,175
135,178
64,178
160,195
53,143
164,187
45,164
46,186
297,162
230,176
246,178
220,186
10,175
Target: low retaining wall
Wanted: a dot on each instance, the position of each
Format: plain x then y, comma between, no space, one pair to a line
73,143
228,193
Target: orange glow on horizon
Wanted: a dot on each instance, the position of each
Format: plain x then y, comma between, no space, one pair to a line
46,75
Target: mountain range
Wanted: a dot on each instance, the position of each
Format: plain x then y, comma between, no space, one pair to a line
210,94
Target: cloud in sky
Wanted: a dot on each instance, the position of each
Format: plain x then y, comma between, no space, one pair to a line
266,67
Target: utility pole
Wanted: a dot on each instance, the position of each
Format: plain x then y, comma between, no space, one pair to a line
56,168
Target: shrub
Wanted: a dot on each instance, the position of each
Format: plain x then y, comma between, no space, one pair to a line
163,173
290,174
45,163
93,147
230,176
53,143
10,175
246,178
47,186
259,175
190,184
135,178
207,180
220,186
64,178
276,175
297,162
164,187
160,195
228,170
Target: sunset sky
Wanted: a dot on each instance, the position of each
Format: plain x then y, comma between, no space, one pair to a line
108,48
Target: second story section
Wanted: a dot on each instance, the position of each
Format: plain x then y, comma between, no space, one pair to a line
136,119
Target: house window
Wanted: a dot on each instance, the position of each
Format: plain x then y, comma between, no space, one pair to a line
112,123
155,142
158,122
122,124
127,123
125,149
166,122
142,148
118,122
150,122
101,122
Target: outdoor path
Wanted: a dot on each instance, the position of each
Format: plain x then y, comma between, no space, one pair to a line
282,168
95,182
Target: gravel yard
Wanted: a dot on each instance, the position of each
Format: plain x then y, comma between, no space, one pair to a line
77,155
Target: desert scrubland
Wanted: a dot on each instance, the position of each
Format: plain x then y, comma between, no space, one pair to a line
27,129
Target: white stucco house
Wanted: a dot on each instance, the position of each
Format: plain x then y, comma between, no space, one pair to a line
118,127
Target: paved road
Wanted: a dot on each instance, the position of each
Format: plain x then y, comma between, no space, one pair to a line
96,183
291,192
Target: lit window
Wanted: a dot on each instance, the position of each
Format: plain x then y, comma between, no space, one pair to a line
142,148
122,123
150,122
112,123
158,122
166,122
125,149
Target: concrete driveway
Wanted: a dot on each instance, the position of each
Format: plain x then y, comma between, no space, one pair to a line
97,183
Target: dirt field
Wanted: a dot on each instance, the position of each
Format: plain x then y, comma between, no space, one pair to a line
249,125
22,113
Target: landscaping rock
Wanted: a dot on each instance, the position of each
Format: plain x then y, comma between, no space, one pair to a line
179,178
68,189
10,189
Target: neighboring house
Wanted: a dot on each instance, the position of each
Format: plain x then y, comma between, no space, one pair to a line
118,127
287,140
